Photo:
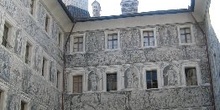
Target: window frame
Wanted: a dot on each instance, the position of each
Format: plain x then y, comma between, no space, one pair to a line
26,100
11,23
151,67
47,28
142,37
60,41
190,26
72,43
45,66
107,33
107,81
30,52
151,78
113,69
4,89
198,73
60,80
70,80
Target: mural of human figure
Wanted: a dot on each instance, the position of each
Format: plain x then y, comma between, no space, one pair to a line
170,76
130,79
93,81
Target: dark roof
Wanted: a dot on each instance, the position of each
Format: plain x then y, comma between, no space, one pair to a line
190,9
78,13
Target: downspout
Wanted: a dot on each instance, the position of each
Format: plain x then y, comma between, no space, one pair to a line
208,56
64,67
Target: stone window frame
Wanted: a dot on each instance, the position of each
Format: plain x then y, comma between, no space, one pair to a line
142,37
72,43
47,67
70,80
150,67
26,100
112,70
8,20
34,8
31,51
189,64
192,34
60,80
47,29
60,42
106,40
4,90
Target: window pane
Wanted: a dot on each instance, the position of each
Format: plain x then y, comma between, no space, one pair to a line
191,77
151,33
189,40
151,77
111,82
183,39
77,84
187,30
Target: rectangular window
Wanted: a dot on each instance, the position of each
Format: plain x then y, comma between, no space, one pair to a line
59,39
5,35
23,105
112,82
77,84
1,98
28,53
151,77
112,41
44,66
58,78
78,44
148,38
191,77
32,3
185,35
47,23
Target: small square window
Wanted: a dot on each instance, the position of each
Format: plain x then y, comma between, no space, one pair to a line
148,38
78,44
112,41
112,82
28,53
185,35
5,35
151,77
191,76
77,84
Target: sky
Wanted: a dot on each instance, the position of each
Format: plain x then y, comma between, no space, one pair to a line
112,7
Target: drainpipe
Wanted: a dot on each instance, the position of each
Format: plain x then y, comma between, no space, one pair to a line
64,67
208,56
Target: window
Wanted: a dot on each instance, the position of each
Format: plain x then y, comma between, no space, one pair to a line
47,23
148,38
112,41
28,53
23,105
185,35
77,84
1,98
78,44
32,3
151,77
44,66
5,35
112,82
191,77
59,39
58,79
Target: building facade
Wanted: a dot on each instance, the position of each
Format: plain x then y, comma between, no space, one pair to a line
162,60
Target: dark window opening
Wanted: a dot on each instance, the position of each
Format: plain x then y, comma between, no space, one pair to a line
151,79
112,82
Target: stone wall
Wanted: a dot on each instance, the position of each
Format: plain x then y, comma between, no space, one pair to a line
132,58
214,57
20,81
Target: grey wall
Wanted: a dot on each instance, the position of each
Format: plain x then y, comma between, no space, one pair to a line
24,80
168,53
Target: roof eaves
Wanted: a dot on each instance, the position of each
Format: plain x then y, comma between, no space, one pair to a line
66,10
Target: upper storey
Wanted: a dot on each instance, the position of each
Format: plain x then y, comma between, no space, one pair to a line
129,6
